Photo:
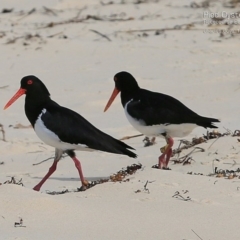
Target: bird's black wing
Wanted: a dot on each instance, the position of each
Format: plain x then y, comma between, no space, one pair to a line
155,108
73,128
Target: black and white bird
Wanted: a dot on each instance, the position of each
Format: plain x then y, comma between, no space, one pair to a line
156,114
62,128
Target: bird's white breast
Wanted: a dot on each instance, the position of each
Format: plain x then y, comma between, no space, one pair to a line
173,130
50,138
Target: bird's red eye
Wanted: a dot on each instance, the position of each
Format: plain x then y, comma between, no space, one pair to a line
29,82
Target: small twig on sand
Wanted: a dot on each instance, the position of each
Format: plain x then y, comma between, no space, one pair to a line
79,12
197,235
186,159
13,40
55,34
188,26
19,224
4,86
3,132
213,143
45,160
14,181
179,196
48,10
27,14
102,35
145,187
86,18
128,137
148,142
213,167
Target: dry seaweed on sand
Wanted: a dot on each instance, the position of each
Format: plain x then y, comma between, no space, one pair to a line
149,142
228,174
185,144
3,132
120,176
13,180
19,224
178,195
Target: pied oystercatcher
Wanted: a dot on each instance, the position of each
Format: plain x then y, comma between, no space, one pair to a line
63,128
156,114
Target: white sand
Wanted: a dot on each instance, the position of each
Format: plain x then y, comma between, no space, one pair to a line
200,69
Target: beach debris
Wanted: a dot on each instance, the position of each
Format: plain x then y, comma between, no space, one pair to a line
3,132
19,224
120,176
203,4
14,181
27,14
27,39
227,174
148,142
20,126
188,144
100,34
187,159
110,18
236,133
57,192
3,87
197,235
7,10
179,196
137,191
192,173
129,137
123,173
220,173
209,135
45,160
49,11
145,189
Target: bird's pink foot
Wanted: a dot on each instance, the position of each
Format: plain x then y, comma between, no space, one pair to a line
37,188
163,160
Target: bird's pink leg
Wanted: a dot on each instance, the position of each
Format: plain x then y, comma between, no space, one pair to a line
165,157
79,168
50,172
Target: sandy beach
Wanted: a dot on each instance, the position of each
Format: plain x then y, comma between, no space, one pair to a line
75,48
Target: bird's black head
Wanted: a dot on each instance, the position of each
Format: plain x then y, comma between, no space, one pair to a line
124,83
33,88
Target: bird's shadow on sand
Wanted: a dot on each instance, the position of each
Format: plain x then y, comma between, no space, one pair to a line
90,179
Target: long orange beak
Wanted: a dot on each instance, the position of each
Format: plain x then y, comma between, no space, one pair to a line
111,99
18,94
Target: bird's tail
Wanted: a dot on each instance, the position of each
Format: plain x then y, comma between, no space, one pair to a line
107,143
207,122
120,147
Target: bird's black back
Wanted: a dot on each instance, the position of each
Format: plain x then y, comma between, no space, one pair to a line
157,108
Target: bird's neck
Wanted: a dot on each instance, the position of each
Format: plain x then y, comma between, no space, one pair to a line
34,106
126,96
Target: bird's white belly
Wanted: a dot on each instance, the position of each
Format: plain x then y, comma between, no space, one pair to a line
173,130
50,138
